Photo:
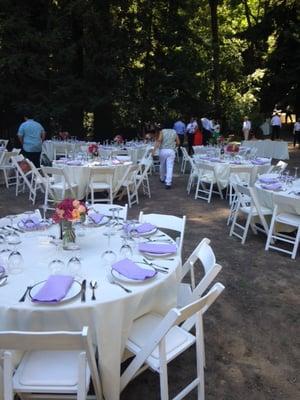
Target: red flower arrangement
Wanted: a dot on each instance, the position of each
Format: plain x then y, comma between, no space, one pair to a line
93,149
69,210
232,148
118,139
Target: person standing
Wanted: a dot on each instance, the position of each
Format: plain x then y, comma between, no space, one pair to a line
166,142
297,132
31,135
190,131
180,127
206,130
276,125
246,128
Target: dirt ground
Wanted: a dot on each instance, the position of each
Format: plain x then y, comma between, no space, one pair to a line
252,332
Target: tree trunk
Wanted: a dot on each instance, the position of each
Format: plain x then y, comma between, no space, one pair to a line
215,57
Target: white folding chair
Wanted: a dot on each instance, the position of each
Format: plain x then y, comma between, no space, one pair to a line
235,180
285,212
207,177
167,222
100,180
58,186
106,209
60,150
130,185
7,167
38,182
250,207
245,174
156,340
3,144
185,158
278,168
23,174
53,363
142,176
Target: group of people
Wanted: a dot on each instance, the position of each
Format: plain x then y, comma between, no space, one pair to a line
197,133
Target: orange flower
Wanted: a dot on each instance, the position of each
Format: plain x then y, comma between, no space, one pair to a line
76,203
75,214
81,209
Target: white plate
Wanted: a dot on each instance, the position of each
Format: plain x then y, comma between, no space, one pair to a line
137,234
123,278
269,176
73,292
158,254
92,224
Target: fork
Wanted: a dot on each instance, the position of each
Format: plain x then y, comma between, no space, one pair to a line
153,259
113,282
22,299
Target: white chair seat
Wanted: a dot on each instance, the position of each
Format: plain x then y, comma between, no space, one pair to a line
61,369
290,219
99,185
264,210
177,339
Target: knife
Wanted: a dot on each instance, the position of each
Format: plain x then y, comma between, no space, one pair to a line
83,289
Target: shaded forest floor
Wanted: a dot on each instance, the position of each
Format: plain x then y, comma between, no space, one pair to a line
252,332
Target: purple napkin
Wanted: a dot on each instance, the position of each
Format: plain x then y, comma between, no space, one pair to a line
259,162
157,248
130,270
268,179
96,218
272,186
236,162
54,289
142,228
74,162
31,222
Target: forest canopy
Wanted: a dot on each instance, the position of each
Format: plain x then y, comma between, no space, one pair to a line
100,66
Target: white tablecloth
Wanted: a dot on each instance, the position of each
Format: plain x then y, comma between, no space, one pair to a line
80,175
109,317
49,145
225,168
269,148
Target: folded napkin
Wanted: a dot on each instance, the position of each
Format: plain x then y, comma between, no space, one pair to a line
130,270
142,228
96,218
272,186
74,162
267,179
259,162
157,248
236,162
54,289
31,222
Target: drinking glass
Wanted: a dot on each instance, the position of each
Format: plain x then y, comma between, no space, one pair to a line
109,256
4,254
13,238
125,250
56,266
15,262
74,266
296,173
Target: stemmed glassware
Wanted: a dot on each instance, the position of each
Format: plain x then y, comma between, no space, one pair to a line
74,266
109,256
15,262
296,173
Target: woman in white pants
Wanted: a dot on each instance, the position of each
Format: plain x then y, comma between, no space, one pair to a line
246,128
166,142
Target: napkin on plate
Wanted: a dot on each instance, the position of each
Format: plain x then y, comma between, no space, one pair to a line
130,270
157,248
31,222
142,228
96,218
54,289
266,179
259,162
74,162
272,186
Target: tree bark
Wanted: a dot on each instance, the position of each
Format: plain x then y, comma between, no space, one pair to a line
213,4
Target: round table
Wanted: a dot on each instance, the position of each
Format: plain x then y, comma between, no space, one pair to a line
110,316
80,174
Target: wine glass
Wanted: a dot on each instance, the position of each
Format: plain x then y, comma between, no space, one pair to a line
56,266
15,262
4,254
2,239
74,266
296,172
13,238
11,218
125,250
116,215
109,256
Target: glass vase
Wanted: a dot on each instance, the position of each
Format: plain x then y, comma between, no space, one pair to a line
68,235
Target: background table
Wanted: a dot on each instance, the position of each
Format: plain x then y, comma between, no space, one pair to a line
109,317
269,148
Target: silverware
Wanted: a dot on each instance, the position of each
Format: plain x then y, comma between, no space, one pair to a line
22,299
83,290
113,282
160,240
3,280
93,286
153,259
156,267
15,229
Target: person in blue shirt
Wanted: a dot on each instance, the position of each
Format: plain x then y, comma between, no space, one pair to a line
180,128
31,135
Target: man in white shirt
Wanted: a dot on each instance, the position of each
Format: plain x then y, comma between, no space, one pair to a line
191,128
246,128
297,132
276,125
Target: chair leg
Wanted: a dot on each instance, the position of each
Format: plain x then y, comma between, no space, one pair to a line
270,234
5,178
246,228
210,192
163,372
200,355
295,248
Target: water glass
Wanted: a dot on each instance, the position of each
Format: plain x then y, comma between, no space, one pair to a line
56,266
15,263
74,266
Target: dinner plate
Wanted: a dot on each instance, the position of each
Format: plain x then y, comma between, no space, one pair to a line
92,224
41,226
135,233
124,279
73,292
158,254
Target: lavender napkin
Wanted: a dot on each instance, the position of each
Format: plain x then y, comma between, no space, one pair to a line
259,162
142,228
268,179
54,289
157,248
31,222
96,218
74,162
272,186
130,270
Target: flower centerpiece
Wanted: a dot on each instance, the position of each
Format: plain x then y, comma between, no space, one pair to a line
118,139
232,148
66,213
93,149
